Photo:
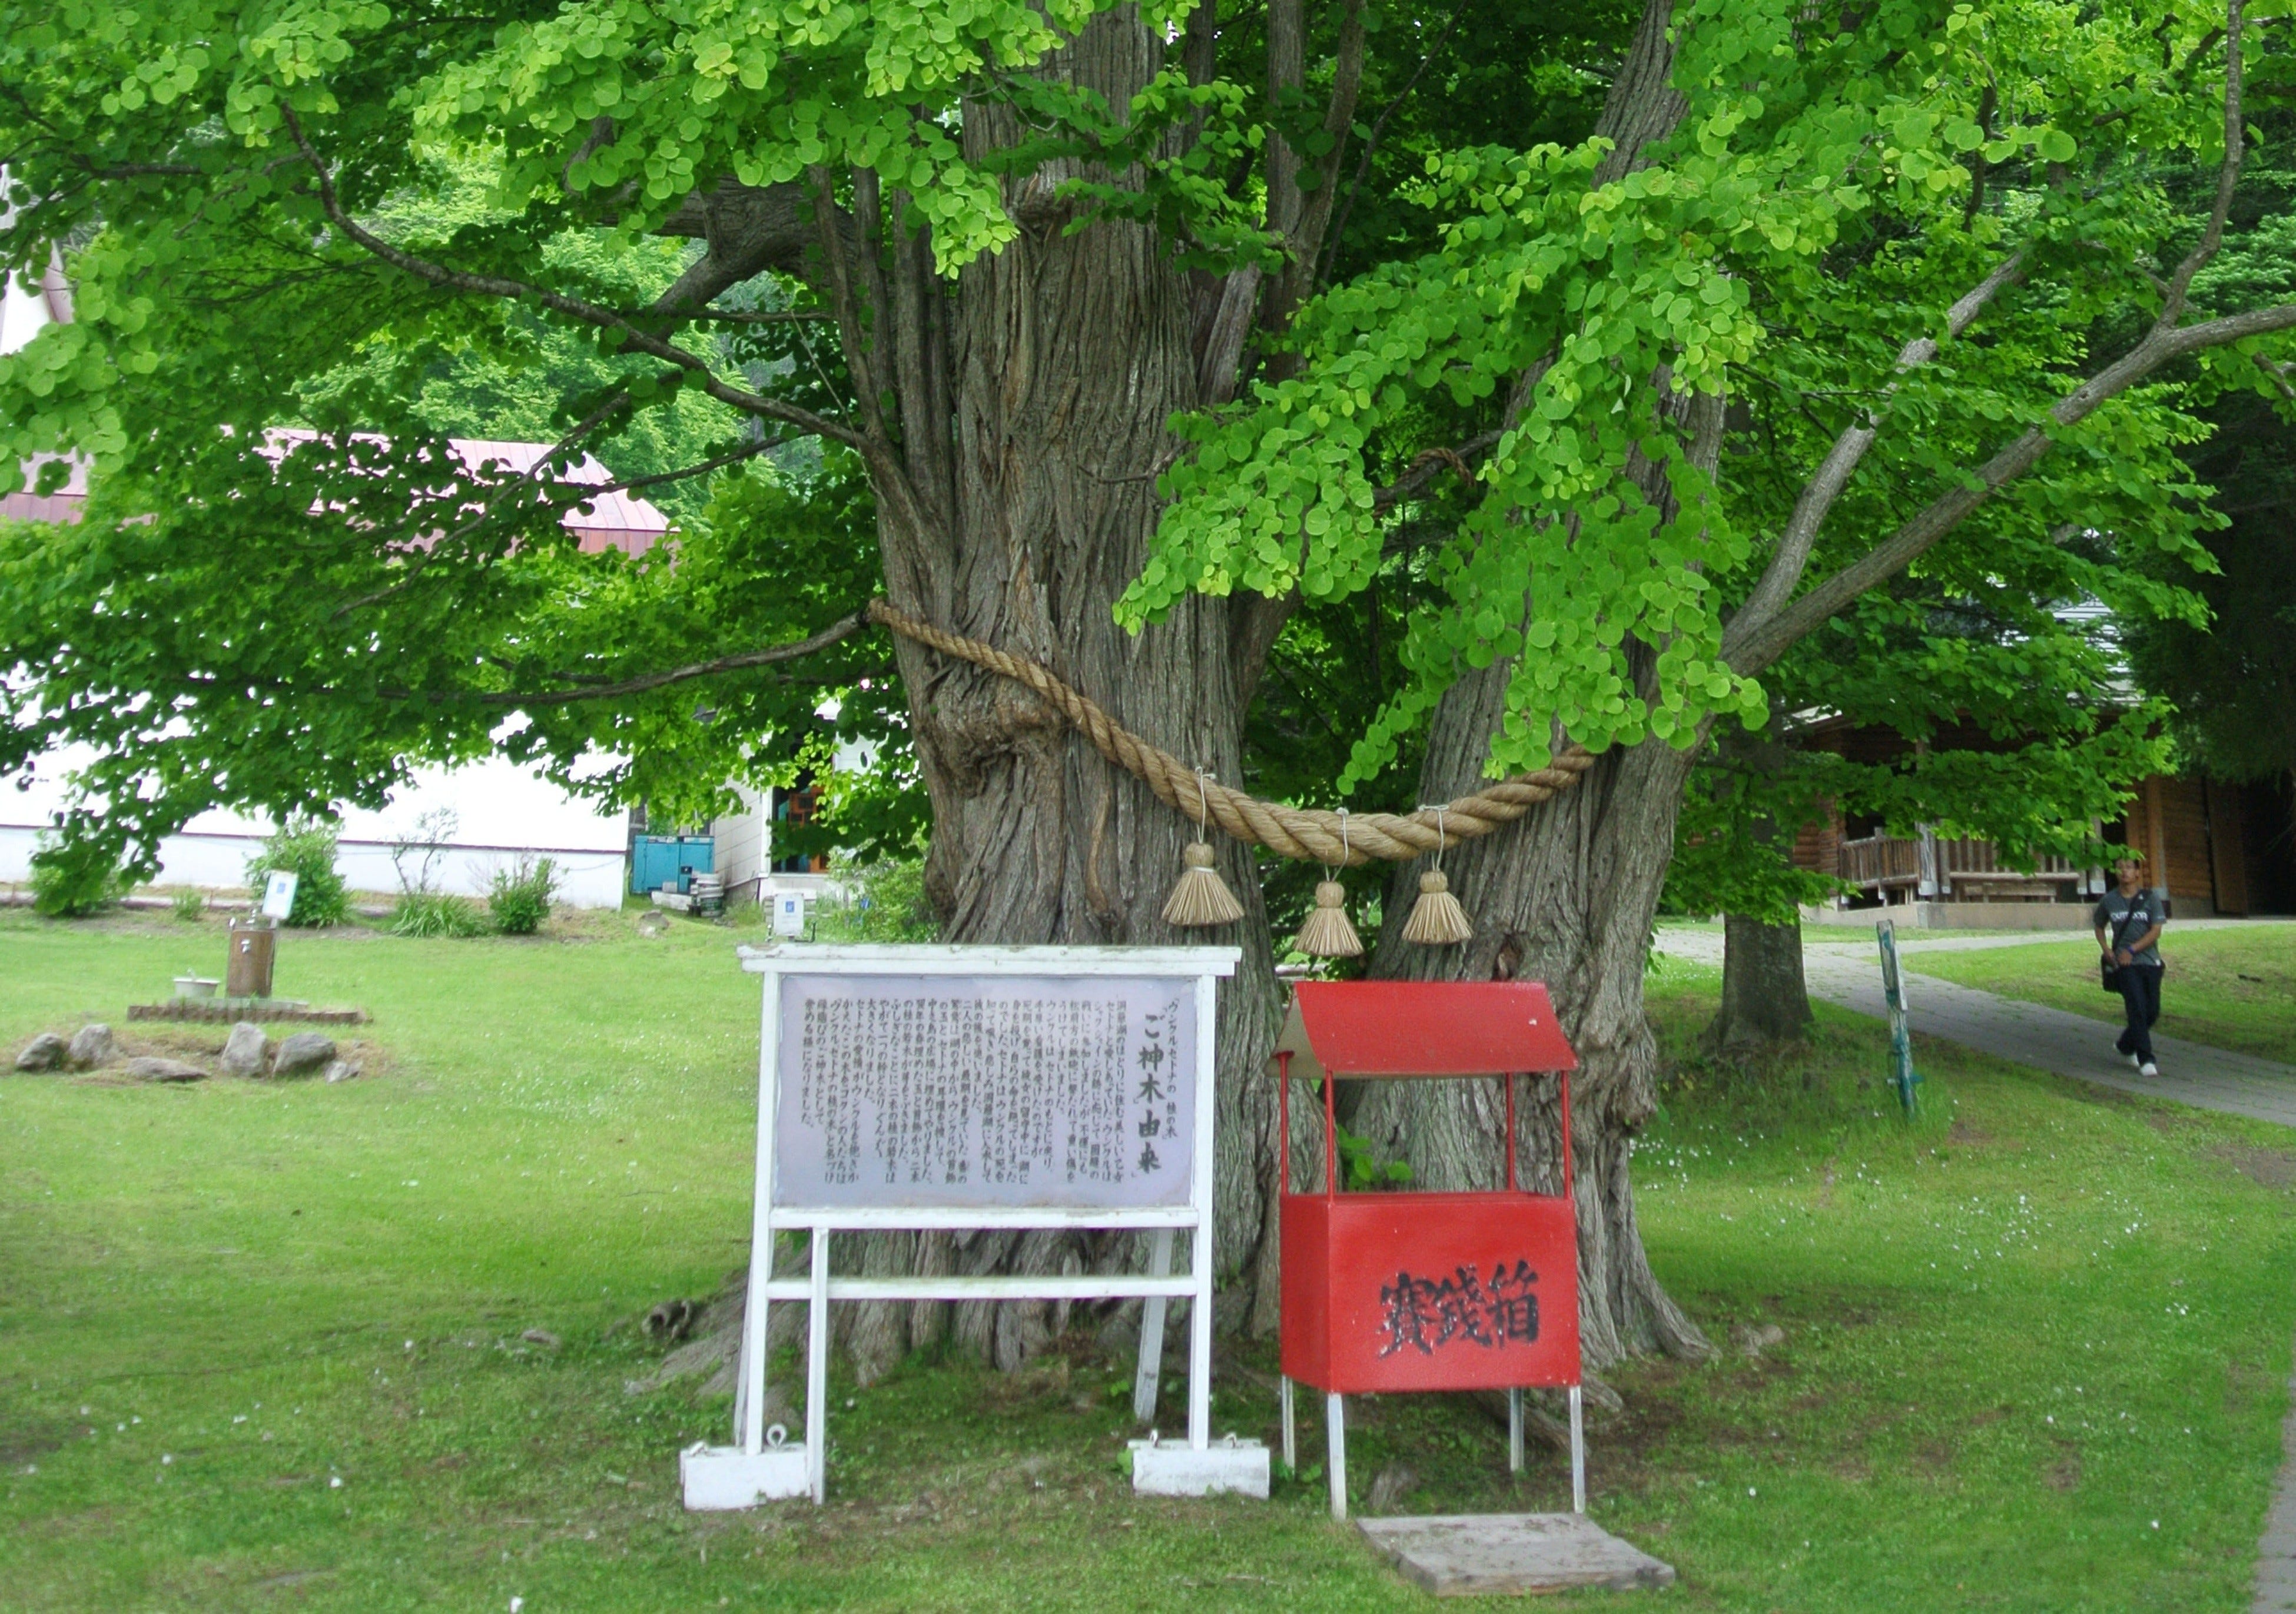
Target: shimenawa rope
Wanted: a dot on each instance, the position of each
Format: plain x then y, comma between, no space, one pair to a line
1309,834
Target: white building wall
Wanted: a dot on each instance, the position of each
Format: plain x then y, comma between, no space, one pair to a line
502,812
744,841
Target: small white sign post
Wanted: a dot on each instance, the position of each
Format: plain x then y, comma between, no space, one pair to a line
910,1087
279,895
789,914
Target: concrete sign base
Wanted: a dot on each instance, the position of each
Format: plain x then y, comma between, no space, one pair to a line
1173,1468
718,1477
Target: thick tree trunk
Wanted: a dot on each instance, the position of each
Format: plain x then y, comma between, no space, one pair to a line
1566,898
1066,355
1765,1001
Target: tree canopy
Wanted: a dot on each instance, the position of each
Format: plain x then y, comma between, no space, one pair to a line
1932,261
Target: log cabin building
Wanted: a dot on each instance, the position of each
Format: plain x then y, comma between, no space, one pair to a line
2218,848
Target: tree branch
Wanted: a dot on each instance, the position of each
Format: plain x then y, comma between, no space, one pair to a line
748,451
858,363
2279,374
531,477
1764,628
1767,642
634,336
764,316
845,628
1371,145
749,229
2172,308
1427,465
1315,214
1783,574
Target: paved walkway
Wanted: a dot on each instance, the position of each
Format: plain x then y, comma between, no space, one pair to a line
1849,975
2275,1563
2070,1045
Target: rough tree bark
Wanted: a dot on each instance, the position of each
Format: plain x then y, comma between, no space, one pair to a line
1765,1000
1032,398
1568,897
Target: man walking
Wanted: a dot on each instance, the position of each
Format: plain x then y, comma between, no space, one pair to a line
2128,924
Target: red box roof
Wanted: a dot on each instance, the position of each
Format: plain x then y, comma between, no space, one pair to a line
1419,1028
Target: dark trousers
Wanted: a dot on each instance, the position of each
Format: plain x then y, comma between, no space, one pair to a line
2140,993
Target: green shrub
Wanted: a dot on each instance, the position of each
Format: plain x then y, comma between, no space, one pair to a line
304,847
884,901
427,914
71,880
189,905
520,899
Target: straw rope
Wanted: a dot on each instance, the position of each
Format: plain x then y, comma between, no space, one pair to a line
1308,834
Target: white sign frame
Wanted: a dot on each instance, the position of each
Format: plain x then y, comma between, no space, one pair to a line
763,1465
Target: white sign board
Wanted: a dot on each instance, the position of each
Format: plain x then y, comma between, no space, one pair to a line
981,1087
279,896
789,914
985,1090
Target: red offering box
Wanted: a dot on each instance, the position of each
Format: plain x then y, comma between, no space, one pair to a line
1389,1292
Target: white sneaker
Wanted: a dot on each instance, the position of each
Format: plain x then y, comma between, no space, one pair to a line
2148,1069
2134,1063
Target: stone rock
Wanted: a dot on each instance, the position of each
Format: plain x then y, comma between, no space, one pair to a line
341,1070
44,1051
244,1051
1754,1341
1395,1482
302,1053
91,1046
152,1069
671,1321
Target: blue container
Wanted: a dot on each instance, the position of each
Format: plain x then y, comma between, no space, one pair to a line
671,860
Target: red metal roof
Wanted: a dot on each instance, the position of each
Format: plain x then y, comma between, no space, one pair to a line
1419,1028
614,520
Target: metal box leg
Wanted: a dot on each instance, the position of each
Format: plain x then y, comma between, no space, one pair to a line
1578,1451
1335,1438
1291,1428
1514,1431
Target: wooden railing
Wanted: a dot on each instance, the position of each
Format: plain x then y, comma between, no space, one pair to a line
1879,862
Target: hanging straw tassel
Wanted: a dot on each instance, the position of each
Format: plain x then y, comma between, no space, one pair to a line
1201,899
1328,933
1437,919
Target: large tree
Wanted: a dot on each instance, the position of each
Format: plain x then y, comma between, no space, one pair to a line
1069,291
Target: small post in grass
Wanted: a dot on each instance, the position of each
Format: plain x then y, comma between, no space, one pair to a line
1903,1077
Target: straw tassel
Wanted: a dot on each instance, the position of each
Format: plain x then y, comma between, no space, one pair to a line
1202,897
1328,932
1437,919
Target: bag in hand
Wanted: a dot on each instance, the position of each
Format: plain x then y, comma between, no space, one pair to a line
2110,972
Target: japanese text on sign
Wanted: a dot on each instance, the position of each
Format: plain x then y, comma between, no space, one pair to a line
1426,1314
985,1091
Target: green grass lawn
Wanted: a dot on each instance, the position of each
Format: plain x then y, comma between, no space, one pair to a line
2230,989
2036,1344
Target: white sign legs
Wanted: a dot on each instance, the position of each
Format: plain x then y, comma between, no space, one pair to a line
967,1087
